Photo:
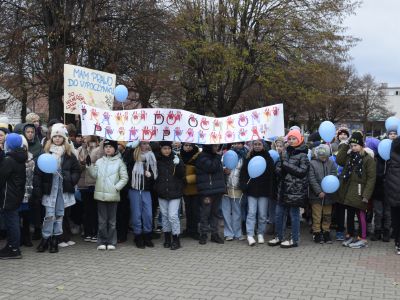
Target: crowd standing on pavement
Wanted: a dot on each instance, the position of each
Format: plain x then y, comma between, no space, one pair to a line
104,189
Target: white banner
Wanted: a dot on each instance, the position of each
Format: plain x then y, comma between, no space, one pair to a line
165,124
83,85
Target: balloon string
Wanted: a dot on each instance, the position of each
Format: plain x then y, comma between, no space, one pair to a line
123,106
248,181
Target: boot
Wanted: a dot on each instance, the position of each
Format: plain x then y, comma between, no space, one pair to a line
203,239
216,238
176,244
44,244
147,240
53,244
376,236
167,239
386,236
37,234
139,242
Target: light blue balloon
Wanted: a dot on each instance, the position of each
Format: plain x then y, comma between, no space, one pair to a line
274,155
47,163
392,123
327,131
384,148
330,184
256,166
230,159
398,129
121,93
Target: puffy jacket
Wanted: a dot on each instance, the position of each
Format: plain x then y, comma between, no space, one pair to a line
318,170
12,179
263,185
169,183
111,177
392,178
189,159
352,191
293,175
70,171
209,174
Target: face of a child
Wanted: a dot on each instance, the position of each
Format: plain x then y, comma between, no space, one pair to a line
323,158
343,137
78,139
292,141
279,147
215,148
58,140
109,150
355,147
237,146
166,150
258,146
392,135
187,147
144,146
29,133
2,137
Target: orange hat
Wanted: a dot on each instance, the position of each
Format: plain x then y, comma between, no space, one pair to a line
297,135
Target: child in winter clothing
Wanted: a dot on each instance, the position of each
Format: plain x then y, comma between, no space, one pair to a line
169,188
56,190
12,187
357,183
111,177
321,203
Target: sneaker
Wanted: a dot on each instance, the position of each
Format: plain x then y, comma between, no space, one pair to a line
289,244
71,243
216,238
339,236
88,239
63,245
93,239
318,238
101,247
260,239
110,247
10,253
274,242
398,250
228,238
251,241
242,238
347,241
359,244
327,237
203,239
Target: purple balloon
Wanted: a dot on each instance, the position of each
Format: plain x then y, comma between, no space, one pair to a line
372,143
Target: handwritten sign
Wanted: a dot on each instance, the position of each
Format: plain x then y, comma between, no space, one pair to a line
87,86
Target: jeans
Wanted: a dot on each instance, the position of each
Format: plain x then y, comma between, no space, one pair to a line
107,234
170,215
141,211
258,206
52,224
209,213
271,211
90,224
280,222
11,220
232,217
382,218
192,210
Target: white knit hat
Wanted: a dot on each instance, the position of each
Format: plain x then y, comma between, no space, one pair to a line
59,129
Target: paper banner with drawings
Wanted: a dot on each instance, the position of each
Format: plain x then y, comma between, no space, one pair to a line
83,85
167,124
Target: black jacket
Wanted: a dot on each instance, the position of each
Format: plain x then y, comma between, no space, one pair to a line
392,178
293,174
130,163
379,190
210,178
169,183
12,179
70,171
262,186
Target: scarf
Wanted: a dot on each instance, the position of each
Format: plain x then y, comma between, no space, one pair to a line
148,161
354,164
57,152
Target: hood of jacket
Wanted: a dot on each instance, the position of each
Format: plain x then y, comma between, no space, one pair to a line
19,155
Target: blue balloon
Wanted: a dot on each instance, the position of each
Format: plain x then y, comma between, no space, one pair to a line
47,163
121,93
330,184
327,131
274,155
392,123
230,159
384,148
256,166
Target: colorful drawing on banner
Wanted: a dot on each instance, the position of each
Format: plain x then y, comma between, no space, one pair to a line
158,124
87,86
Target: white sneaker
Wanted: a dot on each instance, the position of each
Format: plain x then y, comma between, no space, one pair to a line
274,242
71,243
242,238
228,238
101,247
110,247
251,241
260,239
63,245
288,244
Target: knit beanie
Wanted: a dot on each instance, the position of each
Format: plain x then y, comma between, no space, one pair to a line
357,138
4,127
165,143
322,150
32,117
111,143
295,133
13,141
58,129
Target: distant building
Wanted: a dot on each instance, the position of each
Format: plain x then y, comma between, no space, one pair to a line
10,107
393,97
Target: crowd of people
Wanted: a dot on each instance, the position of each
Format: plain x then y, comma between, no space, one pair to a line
107,188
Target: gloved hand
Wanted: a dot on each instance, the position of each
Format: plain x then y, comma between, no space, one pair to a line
176,160
88,160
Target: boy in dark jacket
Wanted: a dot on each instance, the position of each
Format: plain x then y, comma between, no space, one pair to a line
210,182
12,185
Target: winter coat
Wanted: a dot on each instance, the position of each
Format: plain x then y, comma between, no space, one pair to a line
263,185
34,146
190,187
130,162
95,154
353,190
392,178
111,177
209,174
292,171
169,183
379,190
233,189
12,179
318,170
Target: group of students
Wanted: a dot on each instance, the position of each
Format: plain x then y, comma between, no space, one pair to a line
121,186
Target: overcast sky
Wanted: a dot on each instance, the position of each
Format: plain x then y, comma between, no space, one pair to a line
377,24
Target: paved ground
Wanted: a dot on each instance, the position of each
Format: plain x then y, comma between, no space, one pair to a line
229,271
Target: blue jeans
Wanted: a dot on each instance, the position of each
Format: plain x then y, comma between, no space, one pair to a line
170,215
141,211
232,217
52,224
271,211
11,219
257,205
280,222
